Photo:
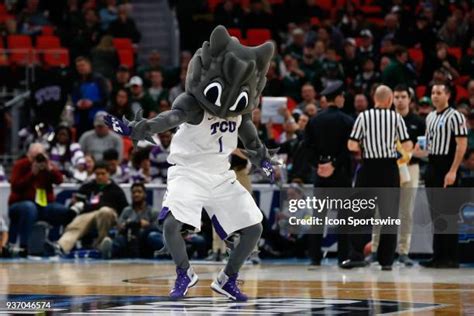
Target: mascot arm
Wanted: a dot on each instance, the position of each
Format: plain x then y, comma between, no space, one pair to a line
185,109
257,153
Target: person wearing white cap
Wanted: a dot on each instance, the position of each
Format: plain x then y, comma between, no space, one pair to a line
367,49
140,99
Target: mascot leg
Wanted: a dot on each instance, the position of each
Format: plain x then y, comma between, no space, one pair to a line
226,282
186,277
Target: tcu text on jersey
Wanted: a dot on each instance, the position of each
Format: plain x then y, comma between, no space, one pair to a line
223,127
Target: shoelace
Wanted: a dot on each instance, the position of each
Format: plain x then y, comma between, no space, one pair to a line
233,284
181,281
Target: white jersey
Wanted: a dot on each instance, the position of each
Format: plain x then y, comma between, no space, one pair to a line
206,146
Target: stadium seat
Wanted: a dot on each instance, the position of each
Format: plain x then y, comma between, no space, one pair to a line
315,21
378,22
123,43
461,93
3,54
212,4
47,42
456,52
47,30
416,54
371,9
22,52
126,57
235,32
420,92
326,5
58,57
258,36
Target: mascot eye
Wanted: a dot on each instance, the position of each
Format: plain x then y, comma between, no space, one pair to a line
213,93
241,102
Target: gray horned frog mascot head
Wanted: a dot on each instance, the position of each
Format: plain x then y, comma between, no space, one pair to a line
226,77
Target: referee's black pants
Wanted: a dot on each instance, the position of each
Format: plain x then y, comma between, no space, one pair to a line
341,178
379,173
443,210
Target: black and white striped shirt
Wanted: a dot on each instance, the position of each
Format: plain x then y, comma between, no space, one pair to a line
441,130
377,130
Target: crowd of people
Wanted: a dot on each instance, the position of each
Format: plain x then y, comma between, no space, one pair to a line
317,49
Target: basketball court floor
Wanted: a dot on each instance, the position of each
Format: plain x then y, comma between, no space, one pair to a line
136,287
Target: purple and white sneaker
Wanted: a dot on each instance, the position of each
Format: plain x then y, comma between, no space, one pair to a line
227,286
185,279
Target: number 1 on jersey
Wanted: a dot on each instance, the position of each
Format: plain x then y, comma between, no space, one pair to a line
220,144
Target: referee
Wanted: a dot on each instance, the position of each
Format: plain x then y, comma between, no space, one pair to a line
446,137
376,132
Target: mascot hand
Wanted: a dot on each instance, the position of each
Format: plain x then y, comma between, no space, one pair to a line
136,129
117,125
263,158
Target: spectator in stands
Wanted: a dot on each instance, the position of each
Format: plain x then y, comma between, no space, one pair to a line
466,170
332,68
293,79
140,99
257,16
97,204
119,173
297,44
452,32
367,49
470,132
320,51
141,166
367,78
104,57
153,62
65,154
98,140
138,236
122,77
108,14
88,174
179,88
350,63
70,23
265,131
31,19
361,103
311,66
89,94
124,26
120,105
32,197
3,177
424,107
308,95
156,90
88,35
398,71
274,84
159,158
445,60
423,36
228,14
391,30
310,110
467,61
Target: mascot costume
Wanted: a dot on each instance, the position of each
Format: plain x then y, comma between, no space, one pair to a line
223,85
